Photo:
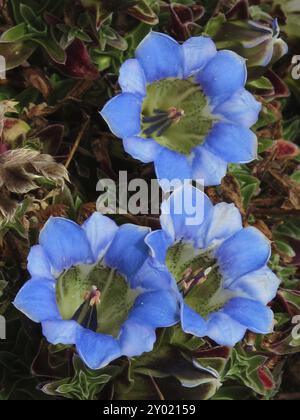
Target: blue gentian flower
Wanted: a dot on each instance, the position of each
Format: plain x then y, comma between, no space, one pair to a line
85,290
219,270
185,108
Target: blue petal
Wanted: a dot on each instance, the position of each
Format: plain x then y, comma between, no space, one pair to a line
223,76
123,115
192,323
37,300
186,215
155,309
145,150
96,350
153,276
128,251
257,317
233,143
224,330
136,339
160,56
132,78
38,263
242,108
208,167
60,332
226,221
172,166
197,52
65,244
261,285
100,231
159,244
246,251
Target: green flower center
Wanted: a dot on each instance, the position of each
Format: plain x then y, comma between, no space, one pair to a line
176,114
198,278
96,297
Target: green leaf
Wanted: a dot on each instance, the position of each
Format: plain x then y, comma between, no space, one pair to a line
285,249
246,367
291,128
16,33
291,9
214,25
85,385
234,393
16,53
261,84
34,22
180,339
289,228
296,176
144,12
52,48
269,115
264,144
291,297
214,364
250,185
114,39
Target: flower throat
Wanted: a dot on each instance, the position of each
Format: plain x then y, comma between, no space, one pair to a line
96,297
176,114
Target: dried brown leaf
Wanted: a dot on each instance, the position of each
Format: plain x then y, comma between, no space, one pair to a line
8,206
284,185
36,78
231,192
20,168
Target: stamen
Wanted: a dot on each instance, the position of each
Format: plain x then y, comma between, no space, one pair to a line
175,114
193,278
86,314
161,121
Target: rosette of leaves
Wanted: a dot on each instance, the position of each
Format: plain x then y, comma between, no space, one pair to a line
22,171
31,31
180,367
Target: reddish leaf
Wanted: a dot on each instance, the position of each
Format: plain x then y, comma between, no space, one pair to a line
78,64
265,378
284,149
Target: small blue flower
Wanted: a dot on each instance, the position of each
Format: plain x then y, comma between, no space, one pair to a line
219,269
185,108
85,290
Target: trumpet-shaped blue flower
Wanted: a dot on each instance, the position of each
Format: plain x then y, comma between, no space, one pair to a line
185,108
219,269
85,290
